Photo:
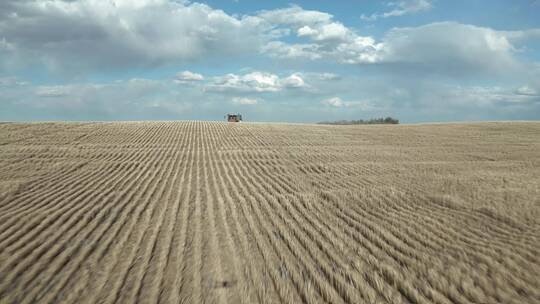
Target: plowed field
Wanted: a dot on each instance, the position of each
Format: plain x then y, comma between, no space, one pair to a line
211,212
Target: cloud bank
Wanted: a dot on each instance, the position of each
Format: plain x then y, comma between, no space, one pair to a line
95,34
91,34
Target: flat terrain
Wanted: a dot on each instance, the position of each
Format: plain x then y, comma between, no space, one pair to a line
208,212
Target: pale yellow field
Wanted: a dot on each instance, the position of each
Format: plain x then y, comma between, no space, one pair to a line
208,212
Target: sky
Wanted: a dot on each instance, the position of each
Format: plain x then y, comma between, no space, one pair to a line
282,61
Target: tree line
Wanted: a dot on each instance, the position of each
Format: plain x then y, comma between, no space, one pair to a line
372,121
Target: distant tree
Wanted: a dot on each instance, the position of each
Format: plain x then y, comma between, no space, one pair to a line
388,120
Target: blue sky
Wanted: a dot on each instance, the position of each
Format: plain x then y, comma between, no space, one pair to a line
302,61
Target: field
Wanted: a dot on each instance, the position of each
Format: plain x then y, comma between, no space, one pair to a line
210,212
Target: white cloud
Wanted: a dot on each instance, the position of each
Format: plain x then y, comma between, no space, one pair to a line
488,97
11,82
52,91
188,77
295,16
280,49
451,48
122,99
293,81
334,102
245,101
306,31
401,8
527,91
255,82
90,34
327,38
325,76
353,50
330,31
359,50
362,105
5,45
